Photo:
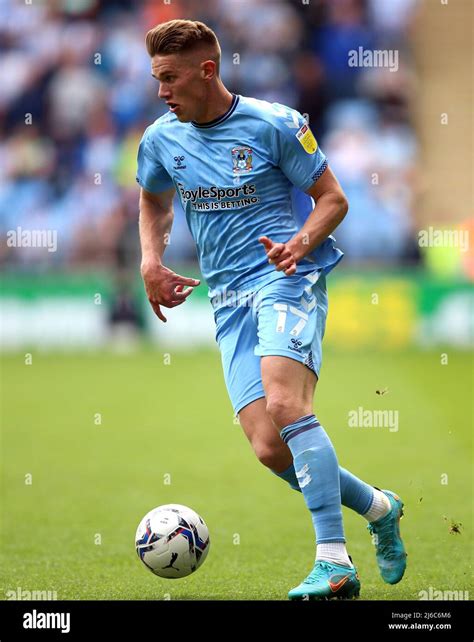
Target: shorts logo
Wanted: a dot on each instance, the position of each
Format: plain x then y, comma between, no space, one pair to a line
307,140
295,344
241,160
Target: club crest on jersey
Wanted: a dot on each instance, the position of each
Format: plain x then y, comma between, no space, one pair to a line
307,140
241,160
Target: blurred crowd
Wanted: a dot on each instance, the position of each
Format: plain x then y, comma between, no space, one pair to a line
77,95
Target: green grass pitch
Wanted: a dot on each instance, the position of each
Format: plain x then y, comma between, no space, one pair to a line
71,530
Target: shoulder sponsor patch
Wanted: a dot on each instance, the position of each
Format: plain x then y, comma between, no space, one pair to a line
307,140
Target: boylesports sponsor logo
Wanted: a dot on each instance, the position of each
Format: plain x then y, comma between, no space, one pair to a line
220,197
219,193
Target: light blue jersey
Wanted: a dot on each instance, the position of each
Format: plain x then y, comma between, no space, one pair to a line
235,177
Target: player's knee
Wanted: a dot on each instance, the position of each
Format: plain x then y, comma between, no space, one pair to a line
267,454
283,409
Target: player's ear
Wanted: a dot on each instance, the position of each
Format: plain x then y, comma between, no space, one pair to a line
208,69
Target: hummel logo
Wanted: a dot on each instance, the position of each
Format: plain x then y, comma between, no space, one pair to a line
296,344
178,160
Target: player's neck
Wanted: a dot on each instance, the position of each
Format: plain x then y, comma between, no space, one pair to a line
218,103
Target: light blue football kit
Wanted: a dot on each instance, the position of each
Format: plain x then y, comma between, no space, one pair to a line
235,178
240,177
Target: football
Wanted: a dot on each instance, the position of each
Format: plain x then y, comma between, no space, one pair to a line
172,541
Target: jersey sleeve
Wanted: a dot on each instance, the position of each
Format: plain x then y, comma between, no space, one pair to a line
151,175
296,150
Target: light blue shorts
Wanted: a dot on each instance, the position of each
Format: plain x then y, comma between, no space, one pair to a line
285,317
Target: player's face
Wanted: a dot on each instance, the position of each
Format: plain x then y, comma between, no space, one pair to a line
181,84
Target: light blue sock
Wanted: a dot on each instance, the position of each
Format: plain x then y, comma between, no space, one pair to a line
355,493
289,476
317,471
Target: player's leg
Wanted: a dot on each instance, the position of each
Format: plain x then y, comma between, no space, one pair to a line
289,388
381,508
237,336
238,332
291,312
291,321
383,516
265,439
274,453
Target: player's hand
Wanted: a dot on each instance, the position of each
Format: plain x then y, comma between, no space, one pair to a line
164,287
279,255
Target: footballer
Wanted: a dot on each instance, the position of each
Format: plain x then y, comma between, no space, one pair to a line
235,163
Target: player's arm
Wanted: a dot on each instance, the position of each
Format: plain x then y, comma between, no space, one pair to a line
155,222
304,164
331,207
163,286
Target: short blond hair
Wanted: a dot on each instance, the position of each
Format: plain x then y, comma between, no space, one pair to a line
177,36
